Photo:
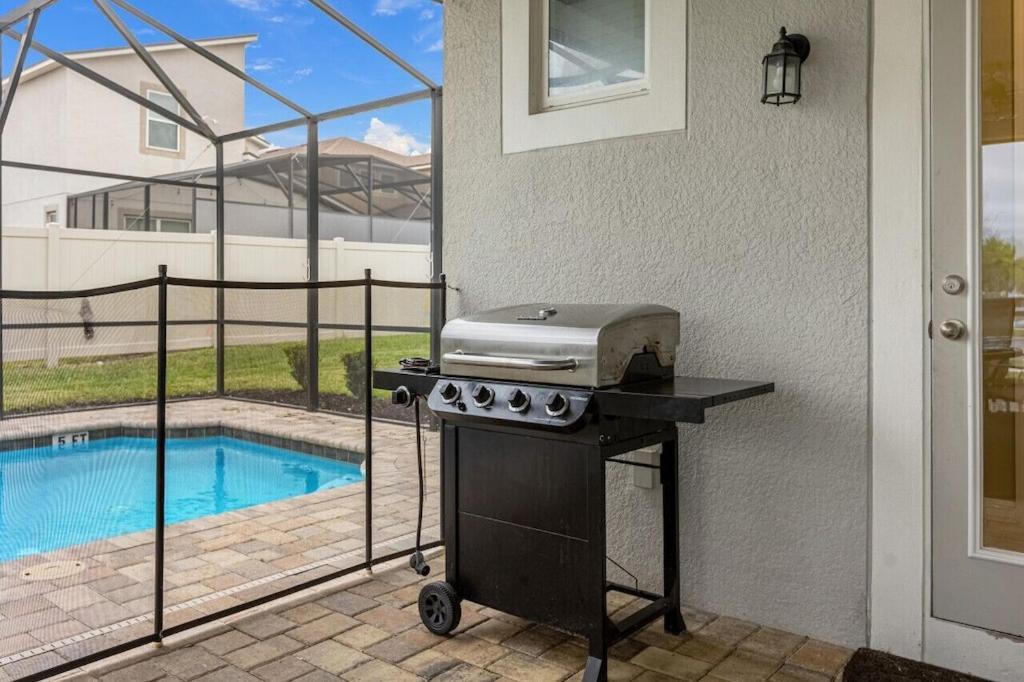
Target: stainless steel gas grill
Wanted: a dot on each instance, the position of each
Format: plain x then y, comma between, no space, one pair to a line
534,401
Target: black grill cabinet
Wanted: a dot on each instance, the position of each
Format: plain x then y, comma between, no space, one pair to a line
523,493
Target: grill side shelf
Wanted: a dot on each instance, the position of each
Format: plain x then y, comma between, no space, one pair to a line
681,399
417,382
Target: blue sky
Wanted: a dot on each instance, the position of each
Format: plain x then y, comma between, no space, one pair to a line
300,52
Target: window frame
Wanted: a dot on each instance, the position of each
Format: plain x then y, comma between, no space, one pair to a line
661,109
153,117
540,54
156,222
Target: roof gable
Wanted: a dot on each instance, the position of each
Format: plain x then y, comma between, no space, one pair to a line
48,65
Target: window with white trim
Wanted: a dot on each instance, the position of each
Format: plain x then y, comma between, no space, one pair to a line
138,223
161,132
589,50
577,71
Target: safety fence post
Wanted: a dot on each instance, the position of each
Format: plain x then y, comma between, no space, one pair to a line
161,455
368,388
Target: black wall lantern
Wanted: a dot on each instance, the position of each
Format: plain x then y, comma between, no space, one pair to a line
782,69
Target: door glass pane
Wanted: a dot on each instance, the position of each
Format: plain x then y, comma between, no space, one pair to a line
595,43
1002,281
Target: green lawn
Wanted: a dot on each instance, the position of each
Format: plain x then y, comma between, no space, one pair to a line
30,385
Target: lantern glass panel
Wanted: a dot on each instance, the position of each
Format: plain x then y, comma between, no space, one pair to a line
782,78
793,75
774,68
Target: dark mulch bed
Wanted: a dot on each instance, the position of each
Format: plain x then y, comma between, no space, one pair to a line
868,665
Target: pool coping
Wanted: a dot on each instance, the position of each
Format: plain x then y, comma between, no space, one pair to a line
213,430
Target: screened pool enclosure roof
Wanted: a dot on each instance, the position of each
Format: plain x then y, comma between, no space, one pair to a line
362,197
345,184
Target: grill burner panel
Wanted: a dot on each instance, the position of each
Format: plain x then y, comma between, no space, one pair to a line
511,404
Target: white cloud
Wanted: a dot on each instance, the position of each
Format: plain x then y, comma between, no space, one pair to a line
436,46
299,74
388,7
265,64
268,11
255,5
391,137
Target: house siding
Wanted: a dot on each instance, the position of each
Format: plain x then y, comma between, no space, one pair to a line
754,224
63,119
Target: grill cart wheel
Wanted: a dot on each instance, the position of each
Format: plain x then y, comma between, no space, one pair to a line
440,608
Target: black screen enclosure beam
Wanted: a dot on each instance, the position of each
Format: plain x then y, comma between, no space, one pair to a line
150,62
327,9
313,260
103,174
203,52
329,115
109,84
220,341
19,13
19,65
438,309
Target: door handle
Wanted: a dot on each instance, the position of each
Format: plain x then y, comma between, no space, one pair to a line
952,329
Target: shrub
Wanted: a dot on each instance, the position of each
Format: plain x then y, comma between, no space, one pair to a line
355,373
298,362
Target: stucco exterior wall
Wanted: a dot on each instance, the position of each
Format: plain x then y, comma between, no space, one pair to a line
753,223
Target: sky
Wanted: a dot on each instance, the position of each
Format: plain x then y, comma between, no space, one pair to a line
1002,201
300,52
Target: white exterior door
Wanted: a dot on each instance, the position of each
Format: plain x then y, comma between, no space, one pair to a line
977,312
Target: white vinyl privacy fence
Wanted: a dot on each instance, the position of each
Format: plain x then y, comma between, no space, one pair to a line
58,259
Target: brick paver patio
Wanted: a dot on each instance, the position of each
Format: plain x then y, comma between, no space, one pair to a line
371,631
212,562
366,631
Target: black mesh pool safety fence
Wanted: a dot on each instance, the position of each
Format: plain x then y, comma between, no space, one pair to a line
174,451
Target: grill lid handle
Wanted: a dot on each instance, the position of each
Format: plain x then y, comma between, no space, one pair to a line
543,365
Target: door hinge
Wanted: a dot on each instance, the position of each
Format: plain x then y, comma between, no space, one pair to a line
930,329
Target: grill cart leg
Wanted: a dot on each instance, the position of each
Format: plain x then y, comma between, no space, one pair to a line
670,510
597,668
596,578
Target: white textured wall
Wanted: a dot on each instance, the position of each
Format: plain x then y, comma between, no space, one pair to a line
753,223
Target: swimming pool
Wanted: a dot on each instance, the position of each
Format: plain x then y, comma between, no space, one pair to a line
57,498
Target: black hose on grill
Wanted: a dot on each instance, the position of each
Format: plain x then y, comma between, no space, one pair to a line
417,561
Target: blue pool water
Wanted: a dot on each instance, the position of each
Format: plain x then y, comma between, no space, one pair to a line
56,498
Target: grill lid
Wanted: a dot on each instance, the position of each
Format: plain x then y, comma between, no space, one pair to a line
571,344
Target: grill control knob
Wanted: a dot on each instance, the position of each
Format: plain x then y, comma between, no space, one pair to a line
556,405
519,401
449,393
482,396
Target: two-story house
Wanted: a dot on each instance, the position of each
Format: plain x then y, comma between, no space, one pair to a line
63,119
